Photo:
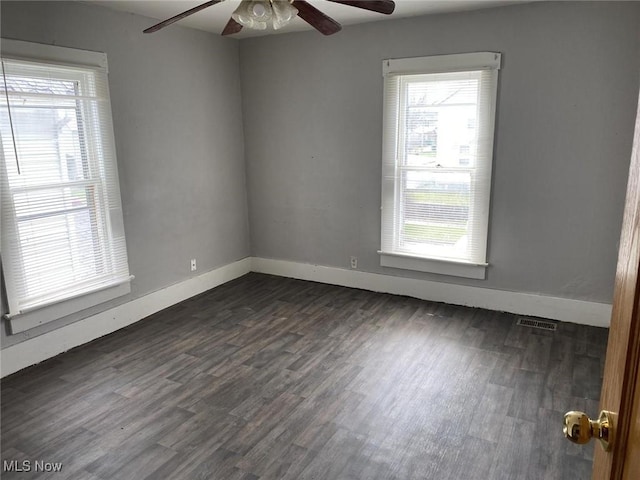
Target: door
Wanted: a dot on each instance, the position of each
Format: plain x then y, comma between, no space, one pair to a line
621,384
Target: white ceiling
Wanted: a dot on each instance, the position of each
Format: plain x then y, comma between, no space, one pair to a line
214,18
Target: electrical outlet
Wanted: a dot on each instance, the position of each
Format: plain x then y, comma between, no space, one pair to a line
354,262
193,265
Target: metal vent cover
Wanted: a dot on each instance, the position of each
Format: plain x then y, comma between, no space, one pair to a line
541,324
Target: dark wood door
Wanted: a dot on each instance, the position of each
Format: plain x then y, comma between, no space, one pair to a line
621,384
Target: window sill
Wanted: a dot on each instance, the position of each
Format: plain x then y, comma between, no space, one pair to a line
34,318
430,265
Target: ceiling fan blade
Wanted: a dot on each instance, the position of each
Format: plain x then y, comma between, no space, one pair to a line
381,6
231,27
314,17
180,16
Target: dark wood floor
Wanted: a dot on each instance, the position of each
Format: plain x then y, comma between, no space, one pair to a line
270,378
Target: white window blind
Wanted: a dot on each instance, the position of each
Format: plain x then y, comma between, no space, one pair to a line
437,156
62,228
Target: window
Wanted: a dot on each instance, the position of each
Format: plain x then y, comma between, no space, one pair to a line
63,244
437,155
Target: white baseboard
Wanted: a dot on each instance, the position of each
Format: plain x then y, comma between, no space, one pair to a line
556,308
37,349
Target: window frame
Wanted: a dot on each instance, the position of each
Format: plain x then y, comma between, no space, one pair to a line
397,73
93,65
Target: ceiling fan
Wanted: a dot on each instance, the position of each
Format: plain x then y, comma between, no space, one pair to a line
259,14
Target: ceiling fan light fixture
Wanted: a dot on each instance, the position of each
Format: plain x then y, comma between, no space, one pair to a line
254,14
259,14
283,13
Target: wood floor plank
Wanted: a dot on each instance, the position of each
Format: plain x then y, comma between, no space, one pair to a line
527,395
274,378
487,422
343,447
514,450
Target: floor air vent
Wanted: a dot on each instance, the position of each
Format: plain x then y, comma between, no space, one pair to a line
541,324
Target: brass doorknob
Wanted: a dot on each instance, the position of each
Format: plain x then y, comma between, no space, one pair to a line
579,428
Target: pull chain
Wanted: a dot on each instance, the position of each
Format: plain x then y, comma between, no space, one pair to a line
13,136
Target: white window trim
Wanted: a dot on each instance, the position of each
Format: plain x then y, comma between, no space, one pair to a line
34,52
25,319
430,65
454,268
33,318
460,62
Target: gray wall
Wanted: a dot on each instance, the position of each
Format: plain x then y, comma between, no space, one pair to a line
567,97
175,98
